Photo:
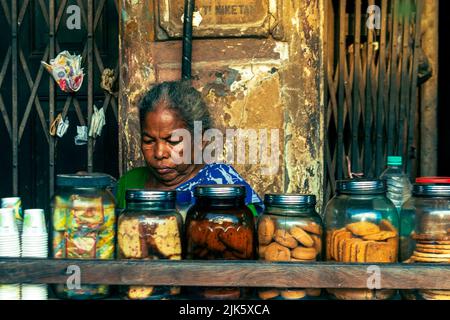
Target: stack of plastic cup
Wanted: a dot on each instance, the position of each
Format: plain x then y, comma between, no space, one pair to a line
15,204
9,248
34,245
34,234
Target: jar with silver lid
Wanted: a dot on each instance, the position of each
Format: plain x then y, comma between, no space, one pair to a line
361,225
150,228
290,230
220,227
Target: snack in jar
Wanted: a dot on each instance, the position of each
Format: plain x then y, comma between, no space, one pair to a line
220,227
289,230
362,226
425,230
150,229
83,226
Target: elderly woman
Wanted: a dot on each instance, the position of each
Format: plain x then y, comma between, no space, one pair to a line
167,107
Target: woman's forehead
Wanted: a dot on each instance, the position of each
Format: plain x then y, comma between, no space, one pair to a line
162,120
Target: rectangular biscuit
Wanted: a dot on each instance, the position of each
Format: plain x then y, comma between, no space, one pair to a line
380,252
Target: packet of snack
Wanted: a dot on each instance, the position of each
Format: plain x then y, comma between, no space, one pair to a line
86,213
81,245
66,70
59,244
60,212
105,245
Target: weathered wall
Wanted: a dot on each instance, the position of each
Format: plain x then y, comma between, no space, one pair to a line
249,83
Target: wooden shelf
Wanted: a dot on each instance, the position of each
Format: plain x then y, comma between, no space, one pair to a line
225,273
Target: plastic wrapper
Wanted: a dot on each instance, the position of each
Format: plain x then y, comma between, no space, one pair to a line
60,213
105,245
81,246
66,70
59,244
86,213
109,218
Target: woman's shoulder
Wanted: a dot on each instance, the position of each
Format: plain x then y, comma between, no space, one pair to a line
136,176
224,173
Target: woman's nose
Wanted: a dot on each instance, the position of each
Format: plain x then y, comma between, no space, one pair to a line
160,152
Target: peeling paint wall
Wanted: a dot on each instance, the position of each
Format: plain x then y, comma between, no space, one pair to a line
248,83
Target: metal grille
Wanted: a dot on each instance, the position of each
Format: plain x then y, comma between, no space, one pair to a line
372,88
33,30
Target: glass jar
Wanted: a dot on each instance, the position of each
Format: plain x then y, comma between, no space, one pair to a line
289,230
220,227
83,226
150,229
362,226
425,230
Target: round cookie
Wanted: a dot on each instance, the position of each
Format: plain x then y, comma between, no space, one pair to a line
268,294
304,253
312,228
293,294
266,231
381,236
313,292
277,252
363,228
285,239
302,236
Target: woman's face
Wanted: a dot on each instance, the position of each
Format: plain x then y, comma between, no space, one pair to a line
158,146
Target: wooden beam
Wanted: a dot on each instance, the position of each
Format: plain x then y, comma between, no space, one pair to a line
225,273
429,103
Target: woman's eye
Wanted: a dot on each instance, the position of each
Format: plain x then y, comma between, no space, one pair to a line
174,143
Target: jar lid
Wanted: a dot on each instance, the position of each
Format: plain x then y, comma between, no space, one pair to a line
289,199
431,190
88,180
433,180
361,186
142,195
220,191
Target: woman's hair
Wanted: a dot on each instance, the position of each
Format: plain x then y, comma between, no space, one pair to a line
180,97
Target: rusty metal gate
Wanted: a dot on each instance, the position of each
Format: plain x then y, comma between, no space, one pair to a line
35,30
373,50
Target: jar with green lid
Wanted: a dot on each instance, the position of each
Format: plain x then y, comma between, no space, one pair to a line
83,226
425,230
150,229
362,226
220,227
290,230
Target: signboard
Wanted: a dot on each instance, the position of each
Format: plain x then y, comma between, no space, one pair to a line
217,18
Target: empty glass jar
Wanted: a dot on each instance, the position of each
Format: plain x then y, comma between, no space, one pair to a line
362,226
150,229
220,227
289,230
425,230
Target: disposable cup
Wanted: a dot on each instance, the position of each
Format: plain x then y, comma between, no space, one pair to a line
8,224
34,222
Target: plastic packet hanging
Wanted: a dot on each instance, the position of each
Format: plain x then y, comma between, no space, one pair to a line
66,70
